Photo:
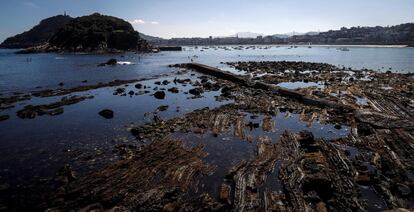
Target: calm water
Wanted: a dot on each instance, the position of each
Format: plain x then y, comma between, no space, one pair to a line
34,149
48,70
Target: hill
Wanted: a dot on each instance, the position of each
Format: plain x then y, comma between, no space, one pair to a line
149,38
39,34
93,33
96,32
402,34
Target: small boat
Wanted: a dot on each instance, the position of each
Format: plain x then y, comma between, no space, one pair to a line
343,49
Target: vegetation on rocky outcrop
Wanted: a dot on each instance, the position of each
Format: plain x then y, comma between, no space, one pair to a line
39,34
93,33
97,32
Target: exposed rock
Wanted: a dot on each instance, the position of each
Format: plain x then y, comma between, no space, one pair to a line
119,91
66,174
159,95
196,91
110,62
108,114
4,117
162,108
52,109
138,86
173,90
61,92
156,178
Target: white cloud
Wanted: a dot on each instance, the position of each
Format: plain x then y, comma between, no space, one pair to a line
142,22
30,4
137,21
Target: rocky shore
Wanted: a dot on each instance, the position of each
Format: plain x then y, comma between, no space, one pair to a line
233,158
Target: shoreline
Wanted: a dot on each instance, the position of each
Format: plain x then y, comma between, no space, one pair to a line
316,45
22,51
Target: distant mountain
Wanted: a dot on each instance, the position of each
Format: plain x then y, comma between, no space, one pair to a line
290,34
39,34
149,38
312,33
247,35
281,36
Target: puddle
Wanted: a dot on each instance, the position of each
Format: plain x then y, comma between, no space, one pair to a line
362,101
272,182
373,200
300,84
226,149
292,122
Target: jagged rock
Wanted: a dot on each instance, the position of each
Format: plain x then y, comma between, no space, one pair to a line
157,177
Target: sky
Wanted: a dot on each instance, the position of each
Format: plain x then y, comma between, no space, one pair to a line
203,18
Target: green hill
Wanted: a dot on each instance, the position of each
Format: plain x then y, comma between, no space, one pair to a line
97,32
39,34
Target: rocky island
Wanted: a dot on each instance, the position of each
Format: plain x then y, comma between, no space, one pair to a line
94,33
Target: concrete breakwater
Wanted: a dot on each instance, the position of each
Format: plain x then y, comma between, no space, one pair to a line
261,85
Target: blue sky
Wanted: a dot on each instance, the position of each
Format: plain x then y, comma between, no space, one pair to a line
190,18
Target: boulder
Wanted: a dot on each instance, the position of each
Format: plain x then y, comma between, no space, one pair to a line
159,95
196,91
138,86
108,114
4,117
173,90
110,62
